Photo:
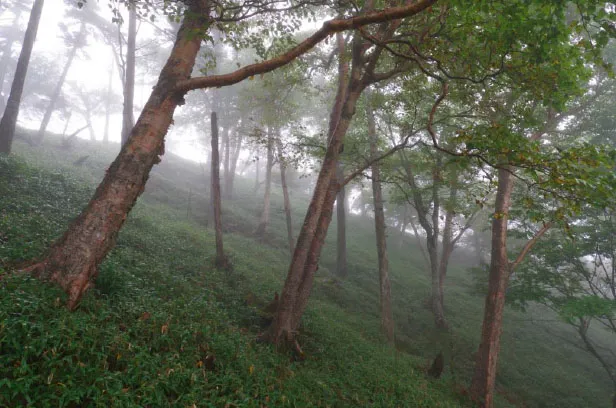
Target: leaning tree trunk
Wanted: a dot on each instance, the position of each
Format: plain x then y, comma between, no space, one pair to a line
128,118
298,284
285,193
221,258
387,320
341,246
484,379
265,215
58,89
72,260
9,119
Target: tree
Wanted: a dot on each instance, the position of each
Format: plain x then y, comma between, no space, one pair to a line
77,42
387,321
72,260
128,119
221,259
9,119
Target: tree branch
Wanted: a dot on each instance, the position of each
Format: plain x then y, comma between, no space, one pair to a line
328,28
528,246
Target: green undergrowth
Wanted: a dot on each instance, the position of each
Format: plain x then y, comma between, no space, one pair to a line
164,328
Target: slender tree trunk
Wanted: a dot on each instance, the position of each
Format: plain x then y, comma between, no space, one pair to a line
66,122
7,53
265,215
285,193
448,244
227,160
128,118
234,159
341,246
108,104
484,379
387,320
221,259
257,171
9,119
58,89
72,260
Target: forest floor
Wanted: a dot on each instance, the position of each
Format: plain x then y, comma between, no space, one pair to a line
163,327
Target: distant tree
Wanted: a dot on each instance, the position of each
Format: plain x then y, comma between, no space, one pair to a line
128,118
9,119
387,321
221,261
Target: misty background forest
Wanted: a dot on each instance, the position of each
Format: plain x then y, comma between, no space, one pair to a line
297,203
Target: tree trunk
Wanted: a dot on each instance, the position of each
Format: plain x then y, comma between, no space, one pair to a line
72,260
482,386
227,160
221,259
237,148
108,104
265,215
7,53
298,283
128,118
9,119
447,244
387,320
341,246
285,193
58,89
257,171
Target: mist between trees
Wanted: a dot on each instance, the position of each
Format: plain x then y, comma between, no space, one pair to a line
476,136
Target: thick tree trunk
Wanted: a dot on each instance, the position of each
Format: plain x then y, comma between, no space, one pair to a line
298,283
285,193
482,386
387,320
221,258
128,118
341,246
72,260
58,89
9,119
265,215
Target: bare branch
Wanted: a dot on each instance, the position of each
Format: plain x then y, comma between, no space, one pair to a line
528,246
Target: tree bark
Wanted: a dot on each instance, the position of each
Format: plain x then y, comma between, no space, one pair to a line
387,320
341,246
128,118
58,89
221,258
9,118
265,215
72,260
285,193
482,386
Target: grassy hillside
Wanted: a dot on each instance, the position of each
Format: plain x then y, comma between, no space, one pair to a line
164,328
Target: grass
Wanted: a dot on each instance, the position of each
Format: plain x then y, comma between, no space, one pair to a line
164,328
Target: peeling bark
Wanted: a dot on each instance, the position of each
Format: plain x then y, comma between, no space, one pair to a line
72,260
